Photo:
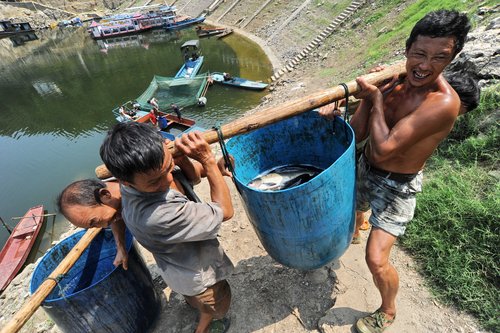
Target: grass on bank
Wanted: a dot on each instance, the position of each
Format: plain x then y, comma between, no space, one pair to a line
409,16
455,235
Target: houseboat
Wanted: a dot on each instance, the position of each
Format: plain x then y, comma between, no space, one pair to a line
130,23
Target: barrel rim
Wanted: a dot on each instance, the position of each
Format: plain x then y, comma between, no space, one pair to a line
79,235
341,157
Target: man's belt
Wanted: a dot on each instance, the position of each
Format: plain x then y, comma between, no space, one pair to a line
399,177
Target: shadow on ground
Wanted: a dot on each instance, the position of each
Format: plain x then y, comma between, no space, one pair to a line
264,293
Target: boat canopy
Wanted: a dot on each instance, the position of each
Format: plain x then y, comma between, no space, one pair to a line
168,90
194,43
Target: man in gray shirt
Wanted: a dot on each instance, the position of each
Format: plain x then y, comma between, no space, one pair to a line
181,234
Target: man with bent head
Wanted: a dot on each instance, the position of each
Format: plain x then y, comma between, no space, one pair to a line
90,203
180,233
403,126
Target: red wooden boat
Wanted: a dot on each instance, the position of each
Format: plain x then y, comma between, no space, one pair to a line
19,245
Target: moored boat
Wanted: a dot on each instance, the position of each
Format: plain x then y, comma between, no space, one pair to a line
237,81
170,126
129,23
181,23
225,33
19,244
207,32
193,60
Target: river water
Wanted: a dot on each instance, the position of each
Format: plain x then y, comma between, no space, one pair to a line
56,103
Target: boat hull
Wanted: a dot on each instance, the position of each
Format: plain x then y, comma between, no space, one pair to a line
183,24
238,82
18,246
174,128
190,68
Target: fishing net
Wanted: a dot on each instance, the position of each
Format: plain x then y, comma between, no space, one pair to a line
168,90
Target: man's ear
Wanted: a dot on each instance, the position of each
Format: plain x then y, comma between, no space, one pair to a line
105,195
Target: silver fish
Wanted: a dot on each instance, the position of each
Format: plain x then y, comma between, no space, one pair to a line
284,177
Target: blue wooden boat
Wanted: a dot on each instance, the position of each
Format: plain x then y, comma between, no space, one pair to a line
237,82
193,60
180,24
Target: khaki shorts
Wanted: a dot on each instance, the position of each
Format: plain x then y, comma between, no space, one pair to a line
214,301
392,202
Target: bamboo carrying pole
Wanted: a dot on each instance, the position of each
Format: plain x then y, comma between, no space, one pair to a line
287,110
22,316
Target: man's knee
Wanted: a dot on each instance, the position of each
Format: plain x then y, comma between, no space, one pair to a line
376,259
215,301
375,263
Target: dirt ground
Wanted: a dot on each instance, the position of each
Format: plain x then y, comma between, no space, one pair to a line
271,298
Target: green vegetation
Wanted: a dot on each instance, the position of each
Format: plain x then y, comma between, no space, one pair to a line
476,135
383,45
455,233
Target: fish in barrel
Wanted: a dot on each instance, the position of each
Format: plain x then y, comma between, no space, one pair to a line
284,177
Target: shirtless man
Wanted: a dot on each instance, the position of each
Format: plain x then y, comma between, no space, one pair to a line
403,126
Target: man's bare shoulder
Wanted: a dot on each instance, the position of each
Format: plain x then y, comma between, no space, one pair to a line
442,100
439,98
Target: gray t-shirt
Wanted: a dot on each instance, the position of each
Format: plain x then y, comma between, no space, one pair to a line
181,235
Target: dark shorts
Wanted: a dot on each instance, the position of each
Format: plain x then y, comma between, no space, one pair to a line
214,301
392,202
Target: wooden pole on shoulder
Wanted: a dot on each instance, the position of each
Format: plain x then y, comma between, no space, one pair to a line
287,110
22,316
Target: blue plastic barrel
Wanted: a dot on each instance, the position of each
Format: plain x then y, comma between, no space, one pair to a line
94,296
306,226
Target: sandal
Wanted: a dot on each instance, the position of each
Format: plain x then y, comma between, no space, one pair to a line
219,325
365,225
356,240
377,322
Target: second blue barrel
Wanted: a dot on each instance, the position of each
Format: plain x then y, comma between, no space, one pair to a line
95,296
309,225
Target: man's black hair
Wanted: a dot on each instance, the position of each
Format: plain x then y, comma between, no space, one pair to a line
442,23
467,89
82,193
130,148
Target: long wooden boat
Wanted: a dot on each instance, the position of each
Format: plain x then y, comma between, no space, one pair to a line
19,244
225,33
193,60
238,82
183,23
207,32
172,127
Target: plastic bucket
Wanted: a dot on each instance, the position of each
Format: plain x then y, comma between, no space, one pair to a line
306,226
94,296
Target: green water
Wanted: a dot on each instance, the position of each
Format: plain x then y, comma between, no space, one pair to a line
56,106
